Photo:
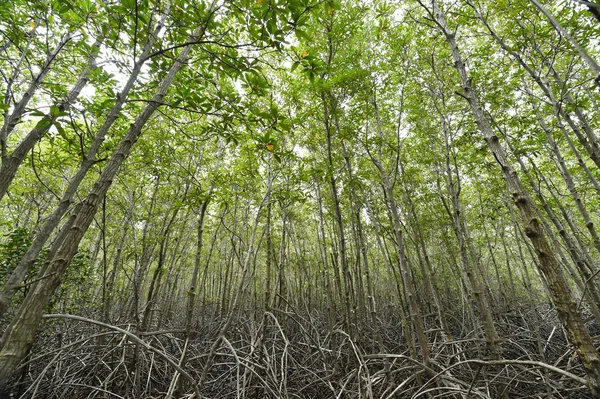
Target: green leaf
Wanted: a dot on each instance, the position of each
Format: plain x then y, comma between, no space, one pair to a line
272,25
44,123
54,111
335,5
61,130
87,6
129,4
300,34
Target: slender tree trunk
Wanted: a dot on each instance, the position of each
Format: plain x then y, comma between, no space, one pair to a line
558,286
362,242
20,271
432,286
110,285
240,291
455,212
392,271
159,272
192,294
330,300
19,335
10,121
282,296
416,315
347,289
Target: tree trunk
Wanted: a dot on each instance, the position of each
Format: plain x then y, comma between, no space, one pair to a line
557,285
20,271
416,315
10,121
19,335
347,288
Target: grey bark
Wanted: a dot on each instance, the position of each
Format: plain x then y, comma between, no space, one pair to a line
20,334
557,285
25,264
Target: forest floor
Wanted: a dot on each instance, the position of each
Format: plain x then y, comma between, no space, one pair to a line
290,354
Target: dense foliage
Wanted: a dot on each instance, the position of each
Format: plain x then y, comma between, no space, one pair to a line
299,198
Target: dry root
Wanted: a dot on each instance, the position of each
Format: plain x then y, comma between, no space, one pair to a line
288,355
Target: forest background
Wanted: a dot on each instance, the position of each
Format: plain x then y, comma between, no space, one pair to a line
298,198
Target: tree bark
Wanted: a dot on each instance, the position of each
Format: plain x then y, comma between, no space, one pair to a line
20,334
416,315
346,277
10,121
591,63
556,282
11,163
20,271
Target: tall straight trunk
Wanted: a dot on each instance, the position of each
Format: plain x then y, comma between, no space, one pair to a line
502,295
104,262
240,289
25,264
159,271
19,335
511,280
269,251
324,256
174,264
208,289
176,382
591,63
466,292
11,162
10,121
483,308
529,288
259,390
416,315
224,283
555,280
392,272
281,263
346,277
455,213
428,271
143,260
110,284
422,254
362,241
